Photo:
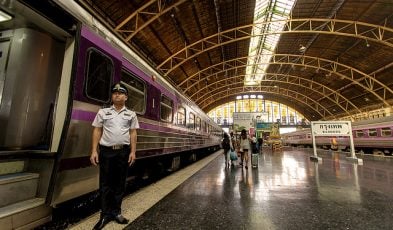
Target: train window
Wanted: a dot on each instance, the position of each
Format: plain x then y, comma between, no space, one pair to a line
372,132
203,126
191,121
198,123
136,92
386,132
359,133
99,74
181,116
166,108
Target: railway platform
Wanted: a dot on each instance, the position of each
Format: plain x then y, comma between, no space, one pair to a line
286,191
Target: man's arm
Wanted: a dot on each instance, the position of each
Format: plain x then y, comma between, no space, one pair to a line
133,139
97,132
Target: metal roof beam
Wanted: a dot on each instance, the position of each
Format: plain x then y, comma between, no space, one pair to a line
338,99
368,83
149,10
376,33
301,98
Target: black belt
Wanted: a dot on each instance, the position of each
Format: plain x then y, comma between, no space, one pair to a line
115,147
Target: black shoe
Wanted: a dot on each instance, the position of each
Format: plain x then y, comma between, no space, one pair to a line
121,219
102,222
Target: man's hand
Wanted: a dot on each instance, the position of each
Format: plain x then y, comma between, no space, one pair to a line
94,158
131,159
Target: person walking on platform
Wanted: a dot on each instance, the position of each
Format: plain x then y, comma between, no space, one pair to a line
234,141
113,149
235,145
260,145
227,146
244,148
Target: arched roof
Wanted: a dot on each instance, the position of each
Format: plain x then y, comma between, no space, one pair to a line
333,58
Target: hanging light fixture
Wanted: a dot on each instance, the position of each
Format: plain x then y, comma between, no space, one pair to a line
4,16
302,48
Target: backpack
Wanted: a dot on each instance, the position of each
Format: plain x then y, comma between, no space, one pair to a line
254,148
226,144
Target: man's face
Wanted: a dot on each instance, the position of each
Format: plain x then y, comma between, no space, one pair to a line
119,98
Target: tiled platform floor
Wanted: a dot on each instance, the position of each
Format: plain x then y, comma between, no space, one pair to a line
287,191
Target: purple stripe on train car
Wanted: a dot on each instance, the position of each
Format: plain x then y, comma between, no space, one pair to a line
90,39
88,34
147,78
82,115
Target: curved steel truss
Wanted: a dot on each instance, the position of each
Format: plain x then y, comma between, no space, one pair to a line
151,11
236,89
361,30
355,76
335,97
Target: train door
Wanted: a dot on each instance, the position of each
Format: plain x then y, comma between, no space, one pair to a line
33,65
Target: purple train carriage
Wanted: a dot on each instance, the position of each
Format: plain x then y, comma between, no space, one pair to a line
370,137
54,80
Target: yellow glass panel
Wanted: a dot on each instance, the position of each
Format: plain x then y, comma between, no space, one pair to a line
275,110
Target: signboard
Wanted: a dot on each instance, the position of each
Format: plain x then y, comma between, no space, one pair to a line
331,128
266,126
250,116
247,119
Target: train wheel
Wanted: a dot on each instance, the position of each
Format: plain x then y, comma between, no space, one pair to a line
192,157
175,164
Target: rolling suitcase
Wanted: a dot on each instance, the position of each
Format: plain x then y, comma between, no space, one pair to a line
254,160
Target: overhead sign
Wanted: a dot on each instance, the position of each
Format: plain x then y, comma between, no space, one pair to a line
264,125
248,119
331,128
251,116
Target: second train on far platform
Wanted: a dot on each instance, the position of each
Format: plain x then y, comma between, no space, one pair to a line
370,137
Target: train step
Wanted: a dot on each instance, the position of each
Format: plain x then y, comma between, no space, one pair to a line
16,187
7,167
26,214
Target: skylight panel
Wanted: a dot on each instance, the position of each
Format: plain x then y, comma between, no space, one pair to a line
264,41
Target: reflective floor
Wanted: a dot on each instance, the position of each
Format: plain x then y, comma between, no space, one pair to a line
286,191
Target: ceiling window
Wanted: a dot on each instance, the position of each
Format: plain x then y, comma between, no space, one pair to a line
264,38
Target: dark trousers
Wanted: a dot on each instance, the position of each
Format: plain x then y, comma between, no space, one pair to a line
113,174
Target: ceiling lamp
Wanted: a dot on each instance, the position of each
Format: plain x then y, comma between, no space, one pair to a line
302,48
367,44
4,16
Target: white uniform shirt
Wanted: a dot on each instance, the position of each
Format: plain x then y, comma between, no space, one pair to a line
116,125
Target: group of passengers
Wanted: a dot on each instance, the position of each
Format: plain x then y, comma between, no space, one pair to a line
244,146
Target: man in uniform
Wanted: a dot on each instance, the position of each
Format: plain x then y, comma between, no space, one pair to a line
113,148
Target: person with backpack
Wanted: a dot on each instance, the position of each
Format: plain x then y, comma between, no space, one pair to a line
260,145
227,146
